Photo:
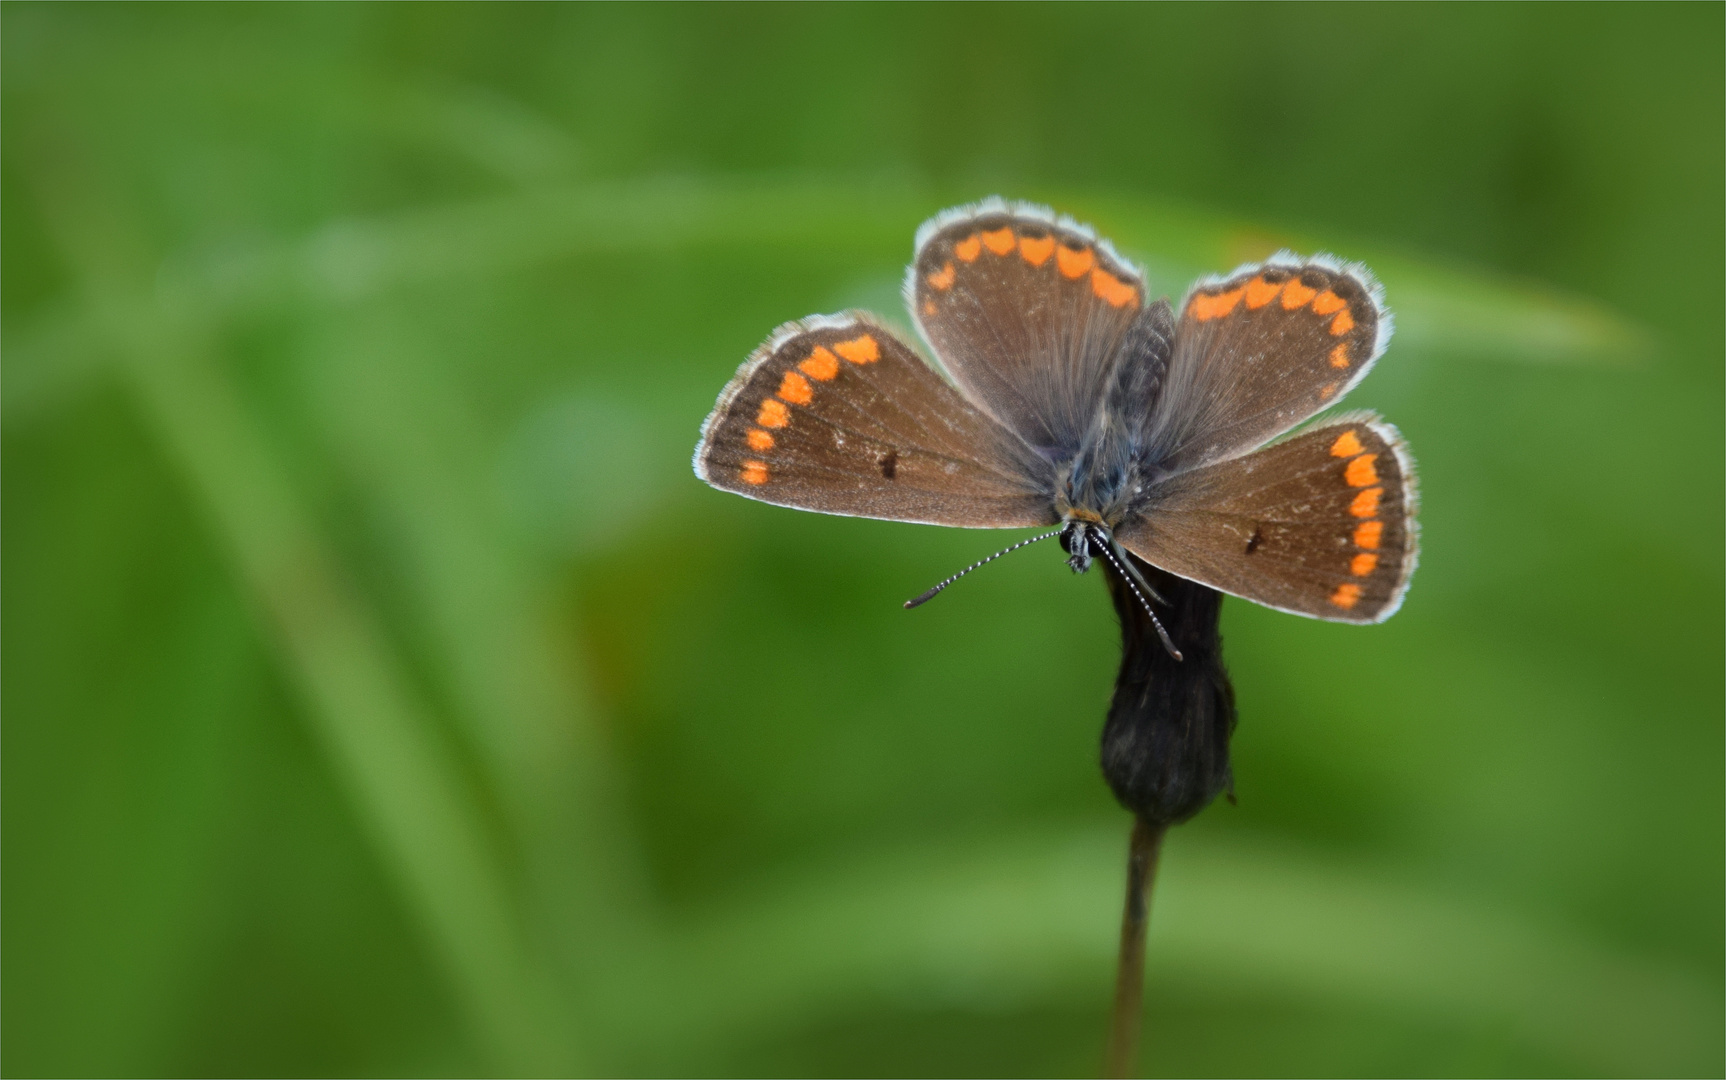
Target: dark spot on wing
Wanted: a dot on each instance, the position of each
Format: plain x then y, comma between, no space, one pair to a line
889,464
1254,539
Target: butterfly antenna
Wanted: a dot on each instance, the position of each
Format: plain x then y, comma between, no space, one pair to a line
1131,576
931,594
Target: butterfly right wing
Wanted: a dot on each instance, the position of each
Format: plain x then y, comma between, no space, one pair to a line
1260,351
836,414
1321,524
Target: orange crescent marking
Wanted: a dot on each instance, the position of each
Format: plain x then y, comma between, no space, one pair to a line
1360,472
969,248
1339,356
773,414
1073,262
1295,295
1346,445
1366,534
1346,596
821,366
862,350
759,440
1365,504
1342,324
1362,565
1326,391
755,472
1036,252
1205,308
1000,241
1111,289
796,389
942,279
1327,303
1260,292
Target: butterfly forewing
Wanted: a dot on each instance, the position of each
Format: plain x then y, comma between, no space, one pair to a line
1321,524
1261,351
836,414
1026,311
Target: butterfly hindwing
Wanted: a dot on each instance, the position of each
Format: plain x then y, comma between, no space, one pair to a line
836,414
1259,352
1026,311
1321,524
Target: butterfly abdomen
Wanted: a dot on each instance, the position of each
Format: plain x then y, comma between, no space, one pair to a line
1165,750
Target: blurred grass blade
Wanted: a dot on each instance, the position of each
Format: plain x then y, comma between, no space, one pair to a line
1444,309
391,406
427,828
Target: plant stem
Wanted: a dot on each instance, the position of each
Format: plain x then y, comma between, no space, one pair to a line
1142,852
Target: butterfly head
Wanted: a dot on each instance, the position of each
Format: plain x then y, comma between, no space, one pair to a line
1082,538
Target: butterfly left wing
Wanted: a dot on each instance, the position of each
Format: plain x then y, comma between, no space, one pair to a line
1260,351
836,414
1321,524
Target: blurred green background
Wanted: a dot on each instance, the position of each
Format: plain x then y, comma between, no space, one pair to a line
384,696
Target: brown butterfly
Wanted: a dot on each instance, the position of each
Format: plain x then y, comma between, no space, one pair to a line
1061,396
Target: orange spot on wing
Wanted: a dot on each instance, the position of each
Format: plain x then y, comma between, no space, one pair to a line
1073,262
1036,252
928,307
773,414
1327,303
1366,534
862,350
759,440
942,279
1342,324
755,472
1204,307
1339,356
1365,504
821,365
1295,295
1260,292
1360,472
1346,445
796,389
1112,289
1325,391
1346,596
1000,241
1362,565
969,248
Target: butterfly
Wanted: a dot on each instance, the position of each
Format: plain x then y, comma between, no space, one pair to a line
1059,395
